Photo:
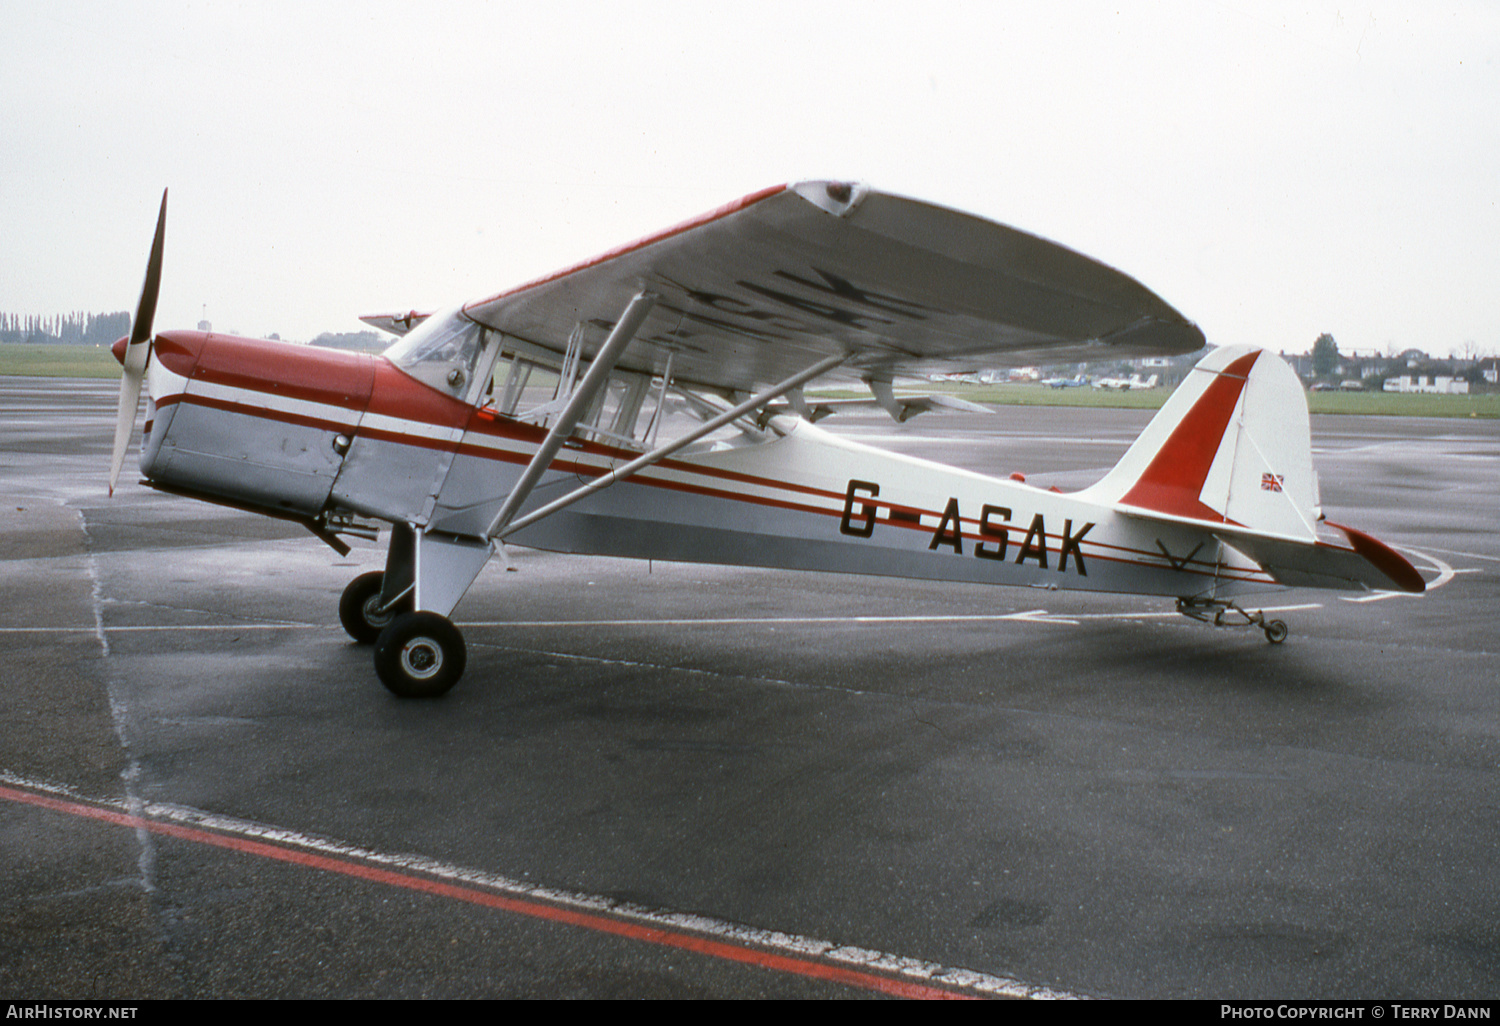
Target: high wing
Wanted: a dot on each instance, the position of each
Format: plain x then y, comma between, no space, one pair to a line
770,284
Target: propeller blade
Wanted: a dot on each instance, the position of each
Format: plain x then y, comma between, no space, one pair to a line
138,349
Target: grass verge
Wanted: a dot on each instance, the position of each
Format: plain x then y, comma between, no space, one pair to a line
57,361
96,362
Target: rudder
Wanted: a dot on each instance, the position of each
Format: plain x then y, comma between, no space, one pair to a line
1232,445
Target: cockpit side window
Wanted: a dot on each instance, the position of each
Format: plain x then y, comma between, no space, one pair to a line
631,410
519,385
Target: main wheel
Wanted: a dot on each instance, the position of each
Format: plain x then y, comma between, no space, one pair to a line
420,655
359,608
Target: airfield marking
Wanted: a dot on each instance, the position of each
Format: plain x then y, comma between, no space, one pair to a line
1028,616
1466,555
1446,573
716,938
1025,616
874,438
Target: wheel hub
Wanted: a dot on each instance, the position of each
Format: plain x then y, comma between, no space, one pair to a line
422,658
372,612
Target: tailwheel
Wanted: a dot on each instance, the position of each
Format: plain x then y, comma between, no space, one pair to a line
360,608
1221,613
420,655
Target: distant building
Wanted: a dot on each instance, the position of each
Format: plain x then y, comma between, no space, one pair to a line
1301,363
1439,384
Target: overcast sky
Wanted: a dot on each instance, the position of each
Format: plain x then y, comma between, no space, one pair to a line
1273,170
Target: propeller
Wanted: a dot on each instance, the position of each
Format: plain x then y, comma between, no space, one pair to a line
138,349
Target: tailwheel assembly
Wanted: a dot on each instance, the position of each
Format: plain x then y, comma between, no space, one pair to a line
1222,613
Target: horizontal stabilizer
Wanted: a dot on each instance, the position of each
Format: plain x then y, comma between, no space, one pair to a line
395,323
1367,563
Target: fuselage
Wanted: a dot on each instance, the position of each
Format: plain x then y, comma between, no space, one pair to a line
307,433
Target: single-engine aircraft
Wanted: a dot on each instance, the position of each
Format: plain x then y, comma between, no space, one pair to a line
1121,384
650,403
1077,381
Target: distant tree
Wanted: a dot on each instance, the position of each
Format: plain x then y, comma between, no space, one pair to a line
1325,355
69,329
365,341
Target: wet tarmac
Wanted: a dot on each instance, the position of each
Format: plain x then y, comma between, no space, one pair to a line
663,780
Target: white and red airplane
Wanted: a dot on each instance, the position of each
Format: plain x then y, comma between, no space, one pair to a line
649,403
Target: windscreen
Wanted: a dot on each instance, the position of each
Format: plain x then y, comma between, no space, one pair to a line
441,351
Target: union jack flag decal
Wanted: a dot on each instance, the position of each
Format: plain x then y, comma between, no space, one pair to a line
1270,482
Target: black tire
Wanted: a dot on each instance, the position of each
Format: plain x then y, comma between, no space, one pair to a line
420,655
1276,632
358,604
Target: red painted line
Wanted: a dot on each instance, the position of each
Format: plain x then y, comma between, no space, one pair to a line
536,910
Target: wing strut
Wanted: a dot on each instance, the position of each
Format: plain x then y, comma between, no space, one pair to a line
609,354
886,398
656,455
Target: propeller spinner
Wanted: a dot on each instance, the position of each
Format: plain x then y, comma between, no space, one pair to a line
138,349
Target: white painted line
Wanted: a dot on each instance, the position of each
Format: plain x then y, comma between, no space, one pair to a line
1026,616
1445,574
1465,555
169,627
956,978
1033,615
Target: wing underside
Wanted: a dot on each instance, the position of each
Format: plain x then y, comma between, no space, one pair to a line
766,286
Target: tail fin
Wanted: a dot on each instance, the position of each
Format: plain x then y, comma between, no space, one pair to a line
1232,450
1231,446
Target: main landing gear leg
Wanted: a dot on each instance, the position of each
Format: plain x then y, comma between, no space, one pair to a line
1221,613
402,611
368,605
363,612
